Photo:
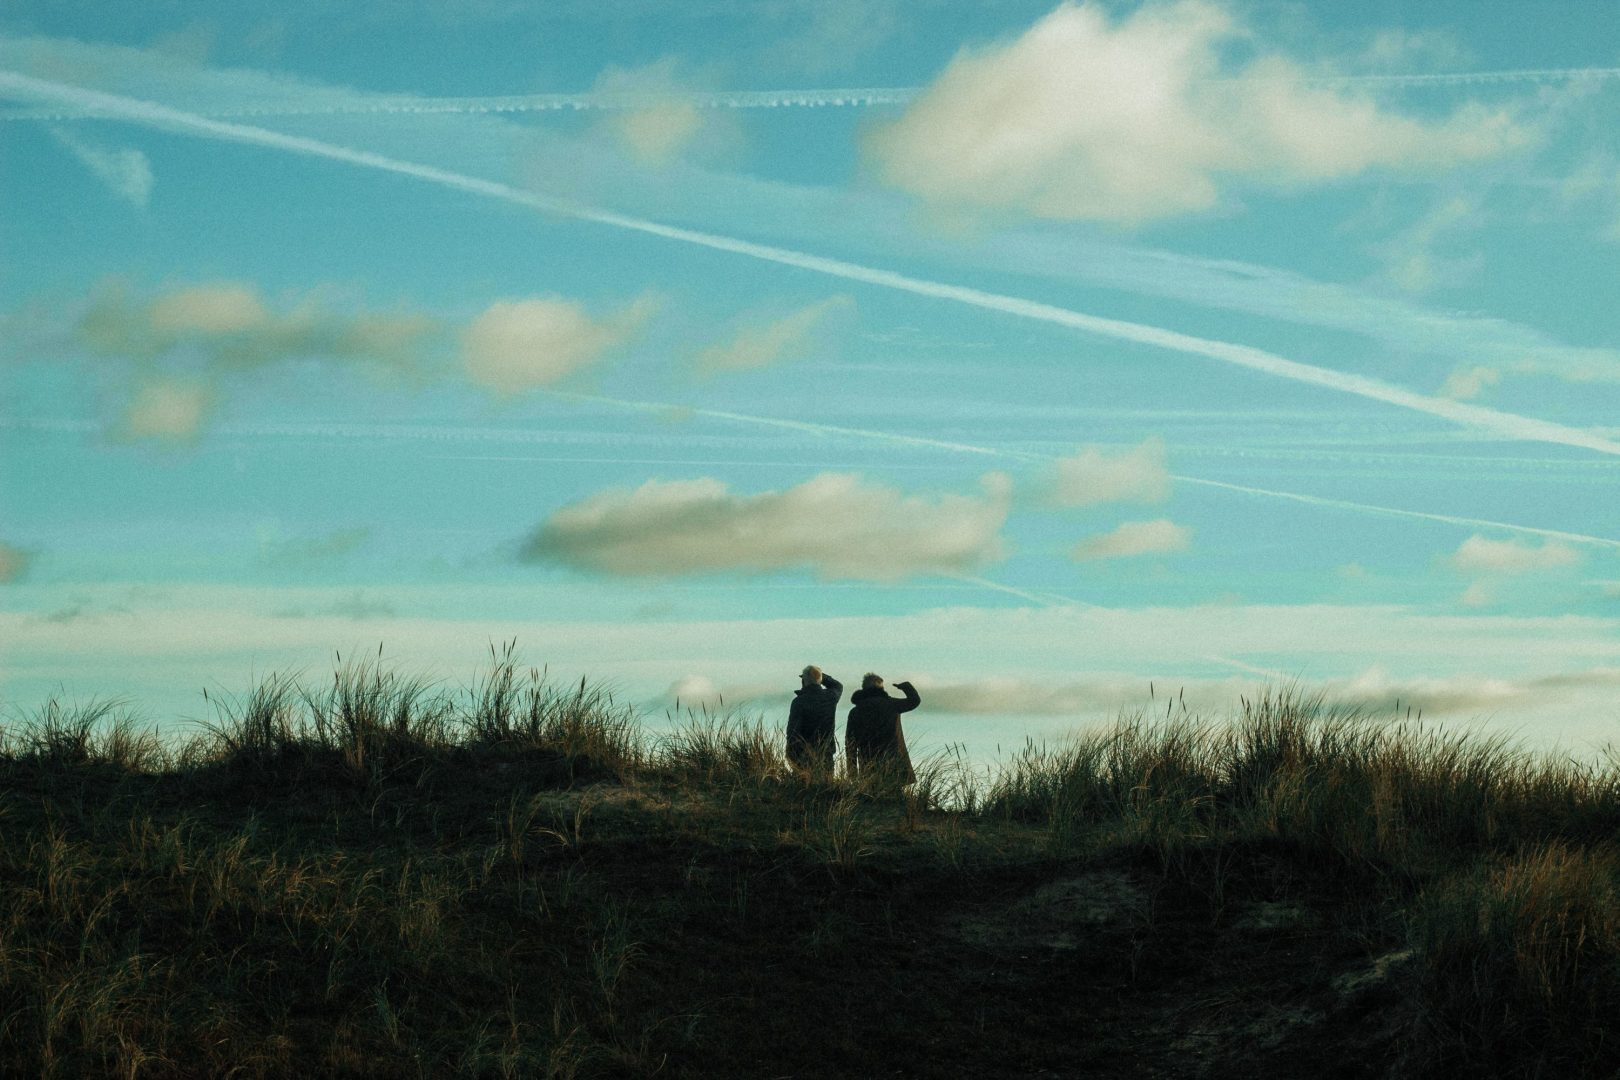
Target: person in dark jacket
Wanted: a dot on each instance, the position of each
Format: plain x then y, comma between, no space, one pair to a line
873,737
812,718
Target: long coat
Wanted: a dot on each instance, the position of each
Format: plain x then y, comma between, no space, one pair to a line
812,718
873,736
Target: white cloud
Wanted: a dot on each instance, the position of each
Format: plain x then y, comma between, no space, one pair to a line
1377,691
695,691
1464,384
731,200
14,562
1480,555
1002,695
1415,260
517,345
230,325
763,343
1082,118
1094,476
172,410
1228,352
655,135
126,172
836,524
662,122
1595,185
223,308
1158,537
1399,50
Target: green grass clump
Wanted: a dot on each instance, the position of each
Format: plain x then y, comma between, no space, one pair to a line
380,876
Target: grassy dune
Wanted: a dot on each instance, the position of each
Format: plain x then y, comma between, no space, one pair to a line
378,877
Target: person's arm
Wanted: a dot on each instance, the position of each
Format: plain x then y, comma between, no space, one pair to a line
912,700
832,684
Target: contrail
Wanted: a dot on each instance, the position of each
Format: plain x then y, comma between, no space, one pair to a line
1473,78
1344,504
864,97
823,430
1269,673
1027,456
1507,424
1039,599
812,98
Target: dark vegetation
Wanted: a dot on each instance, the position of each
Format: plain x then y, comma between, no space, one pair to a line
379,877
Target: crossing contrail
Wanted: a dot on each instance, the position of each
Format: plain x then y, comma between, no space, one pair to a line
1039,599
805,426
383,105
811,98
1510,425
438,434
895,439
1384,511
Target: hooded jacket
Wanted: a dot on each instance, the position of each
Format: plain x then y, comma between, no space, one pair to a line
873,731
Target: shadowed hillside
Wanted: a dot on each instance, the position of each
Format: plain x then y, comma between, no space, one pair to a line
378,877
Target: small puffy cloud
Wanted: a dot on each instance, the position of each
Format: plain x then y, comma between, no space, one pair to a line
1415,259
1465,384
1594,185
1093,476
1399,50
207,310
1479,555
763,343
517,345
1085,118
659,121
126,172
167,410
230,325
1159,537
14,562
655,135
838,525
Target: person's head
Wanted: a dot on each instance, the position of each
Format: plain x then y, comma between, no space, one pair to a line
810,676
871,681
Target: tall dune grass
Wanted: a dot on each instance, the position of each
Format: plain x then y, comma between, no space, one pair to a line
422,826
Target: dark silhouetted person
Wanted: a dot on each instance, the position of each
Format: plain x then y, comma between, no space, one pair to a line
873,738
812,718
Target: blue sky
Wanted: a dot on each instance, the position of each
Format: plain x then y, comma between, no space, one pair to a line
1033,353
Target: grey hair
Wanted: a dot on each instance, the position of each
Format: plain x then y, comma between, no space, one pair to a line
871,681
